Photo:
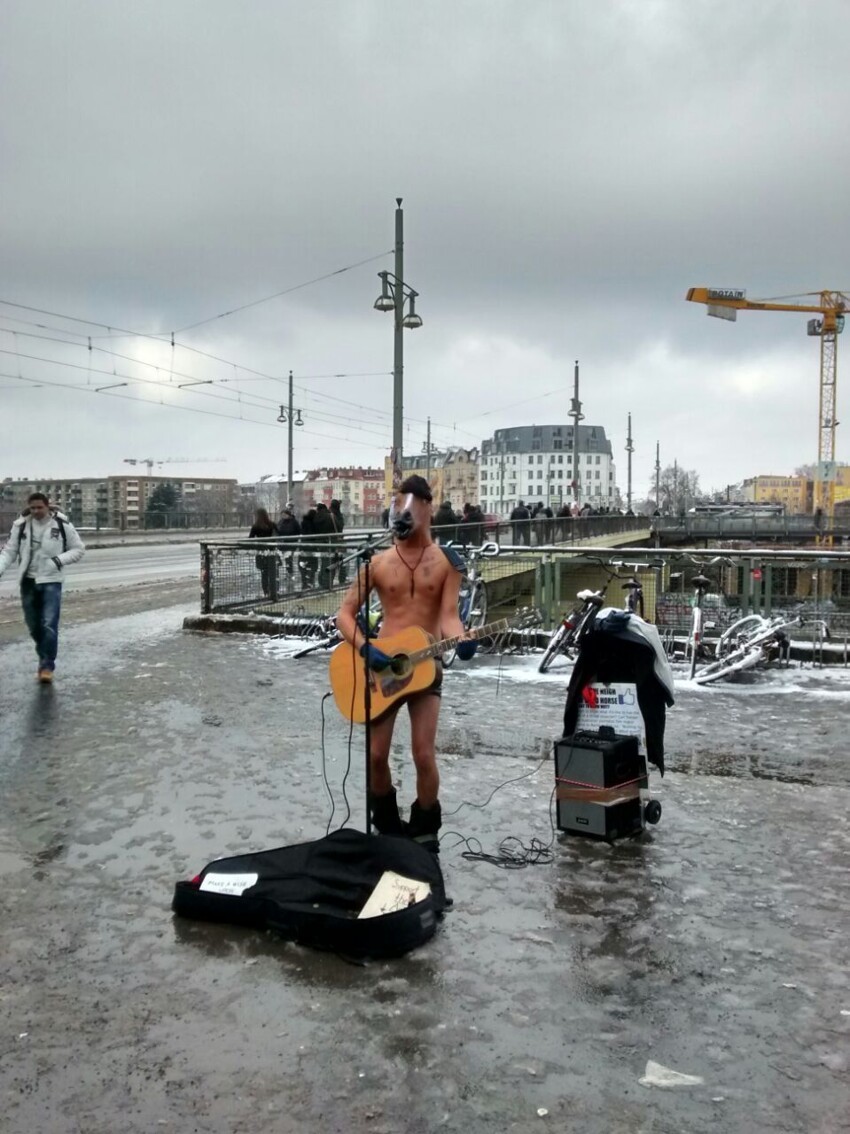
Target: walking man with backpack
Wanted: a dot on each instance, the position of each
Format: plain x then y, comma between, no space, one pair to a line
42,543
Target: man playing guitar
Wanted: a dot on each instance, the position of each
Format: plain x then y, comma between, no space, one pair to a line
418,585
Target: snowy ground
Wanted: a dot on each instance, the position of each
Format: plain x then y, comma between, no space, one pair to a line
717,946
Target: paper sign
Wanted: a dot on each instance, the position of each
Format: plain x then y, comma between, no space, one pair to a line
232,884
394,892
614,706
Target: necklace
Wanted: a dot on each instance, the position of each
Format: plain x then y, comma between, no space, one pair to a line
412,569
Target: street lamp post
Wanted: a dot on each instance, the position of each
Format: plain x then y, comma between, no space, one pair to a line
395,293
288,417
577,416
630,448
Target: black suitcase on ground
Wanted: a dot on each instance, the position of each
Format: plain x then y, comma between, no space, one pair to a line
313,892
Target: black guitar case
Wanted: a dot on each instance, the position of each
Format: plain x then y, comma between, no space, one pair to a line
312,893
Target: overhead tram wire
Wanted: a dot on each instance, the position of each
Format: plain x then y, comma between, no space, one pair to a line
182,346
272,402
259,401
170,405
163,336
164,340
285,291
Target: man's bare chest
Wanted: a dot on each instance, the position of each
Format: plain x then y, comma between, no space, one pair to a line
412,577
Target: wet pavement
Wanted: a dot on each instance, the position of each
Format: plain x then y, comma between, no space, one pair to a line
718,945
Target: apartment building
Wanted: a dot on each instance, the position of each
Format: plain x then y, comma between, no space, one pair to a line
794,492
535,463
121,501
451,473
360,491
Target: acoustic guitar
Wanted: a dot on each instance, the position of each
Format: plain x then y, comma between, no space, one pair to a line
413,669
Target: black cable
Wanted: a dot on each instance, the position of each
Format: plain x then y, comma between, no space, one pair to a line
512,853
325,767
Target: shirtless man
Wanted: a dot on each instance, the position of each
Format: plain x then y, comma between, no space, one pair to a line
418,586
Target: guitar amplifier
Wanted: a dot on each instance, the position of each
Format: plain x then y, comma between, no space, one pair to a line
598,781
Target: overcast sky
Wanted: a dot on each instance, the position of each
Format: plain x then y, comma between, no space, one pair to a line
568,170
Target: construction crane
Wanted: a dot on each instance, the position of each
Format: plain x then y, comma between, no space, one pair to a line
829,308
150,462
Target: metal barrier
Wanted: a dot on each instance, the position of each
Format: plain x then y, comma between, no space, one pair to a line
304,577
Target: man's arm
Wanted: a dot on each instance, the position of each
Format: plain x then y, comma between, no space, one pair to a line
11,548
450,623
76,548
346,619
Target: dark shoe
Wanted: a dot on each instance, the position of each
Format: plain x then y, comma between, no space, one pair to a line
385,816
45,676
424,825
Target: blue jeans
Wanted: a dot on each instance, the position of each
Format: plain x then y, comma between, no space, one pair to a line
42,603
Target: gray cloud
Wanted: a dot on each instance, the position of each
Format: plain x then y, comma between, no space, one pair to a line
568,171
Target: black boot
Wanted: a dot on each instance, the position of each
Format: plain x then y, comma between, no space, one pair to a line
385,816
424,825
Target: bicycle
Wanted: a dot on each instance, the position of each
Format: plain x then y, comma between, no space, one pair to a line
752,641
694,647
472,599
567,638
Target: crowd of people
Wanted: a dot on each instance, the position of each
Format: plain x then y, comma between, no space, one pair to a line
539,524
319,559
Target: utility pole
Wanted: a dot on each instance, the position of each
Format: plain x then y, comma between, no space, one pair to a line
577,416
630,448
428,451
658,476
288,416
398,349
395,293
289,447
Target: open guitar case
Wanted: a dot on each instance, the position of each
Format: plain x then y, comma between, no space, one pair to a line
312,893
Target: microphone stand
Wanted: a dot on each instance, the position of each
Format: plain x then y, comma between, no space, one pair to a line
364,555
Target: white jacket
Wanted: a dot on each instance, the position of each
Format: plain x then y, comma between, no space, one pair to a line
18,547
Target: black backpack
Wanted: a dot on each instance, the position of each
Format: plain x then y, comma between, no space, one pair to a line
312,893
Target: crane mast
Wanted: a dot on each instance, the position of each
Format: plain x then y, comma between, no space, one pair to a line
830,306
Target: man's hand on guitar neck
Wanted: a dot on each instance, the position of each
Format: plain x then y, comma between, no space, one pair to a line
377,659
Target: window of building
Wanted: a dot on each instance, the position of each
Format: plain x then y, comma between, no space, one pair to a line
530,489
557,443
540,459
537,431
598,460
535,444
560,460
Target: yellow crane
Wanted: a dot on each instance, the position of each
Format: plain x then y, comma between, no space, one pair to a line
828,307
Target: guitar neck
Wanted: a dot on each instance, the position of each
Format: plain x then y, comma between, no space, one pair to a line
437,648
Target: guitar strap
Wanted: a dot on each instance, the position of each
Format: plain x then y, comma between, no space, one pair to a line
454,557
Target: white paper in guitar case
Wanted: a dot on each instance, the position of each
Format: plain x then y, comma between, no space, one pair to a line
394,892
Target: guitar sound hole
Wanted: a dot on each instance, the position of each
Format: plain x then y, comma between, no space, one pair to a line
400,665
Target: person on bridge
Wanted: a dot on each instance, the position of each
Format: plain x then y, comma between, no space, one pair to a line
42,543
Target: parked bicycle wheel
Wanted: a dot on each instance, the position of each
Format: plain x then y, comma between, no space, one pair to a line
732,635
478,605
556,646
